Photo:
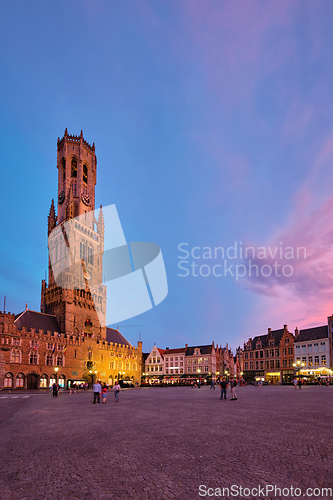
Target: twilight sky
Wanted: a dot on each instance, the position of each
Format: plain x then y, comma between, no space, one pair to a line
213,126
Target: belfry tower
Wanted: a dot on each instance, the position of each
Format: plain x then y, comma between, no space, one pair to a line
75,245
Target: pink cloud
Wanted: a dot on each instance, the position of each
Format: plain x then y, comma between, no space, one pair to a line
306,297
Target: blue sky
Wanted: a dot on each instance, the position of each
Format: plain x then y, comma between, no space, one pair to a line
212,122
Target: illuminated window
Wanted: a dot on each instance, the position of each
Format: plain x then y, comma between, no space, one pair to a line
316,360
16,356
43,381
19,380
8,380
323,360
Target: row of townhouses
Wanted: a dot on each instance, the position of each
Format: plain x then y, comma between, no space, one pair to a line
190,363
279,355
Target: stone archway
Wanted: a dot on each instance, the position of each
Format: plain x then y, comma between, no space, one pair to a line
32,381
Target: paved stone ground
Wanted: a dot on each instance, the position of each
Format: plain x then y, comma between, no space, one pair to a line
163,443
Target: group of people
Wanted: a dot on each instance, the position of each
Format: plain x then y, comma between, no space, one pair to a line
56,390
100,391
224,386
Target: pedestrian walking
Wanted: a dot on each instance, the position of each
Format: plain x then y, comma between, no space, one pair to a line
97,388
116,390
224,386
104,393
212,384
233,385
295,382
300,383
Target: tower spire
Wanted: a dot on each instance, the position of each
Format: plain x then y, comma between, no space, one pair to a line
52,218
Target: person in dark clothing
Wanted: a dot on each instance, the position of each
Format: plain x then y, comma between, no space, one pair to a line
224,386
55,390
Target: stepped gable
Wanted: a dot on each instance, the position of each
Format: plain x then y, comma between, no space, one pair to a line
319,332
116,337
37,320
276,334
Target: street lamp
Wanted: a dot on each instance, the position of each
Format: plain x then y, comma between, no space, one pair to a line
297,366
56,373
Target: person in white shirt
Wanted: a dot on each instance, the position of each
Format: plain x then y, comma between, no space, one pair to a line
97,388
116,390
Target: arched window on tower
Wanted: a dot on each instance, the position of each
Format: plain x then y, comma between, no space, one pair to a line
74,168
83,250
63,169
85,174
90,255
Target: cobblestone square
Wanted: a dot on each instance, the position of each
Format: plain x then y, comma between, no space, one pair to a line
163,443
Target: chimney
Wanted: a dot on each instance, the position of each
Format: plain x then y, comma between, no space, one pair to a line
285,327
269,330
186,346
296,332
167,348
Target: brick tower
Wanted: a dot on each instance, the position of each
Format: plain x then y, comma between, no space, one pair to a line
75,301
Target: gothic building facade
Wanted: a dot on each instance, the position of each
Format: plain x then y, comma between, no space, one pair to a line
68,340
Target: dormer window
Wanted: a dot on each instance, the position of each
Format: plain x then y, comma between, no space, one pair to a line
85,174
271,342
74,168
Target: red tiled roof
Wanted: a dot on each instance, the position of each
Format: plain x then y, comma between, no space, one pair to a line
174,351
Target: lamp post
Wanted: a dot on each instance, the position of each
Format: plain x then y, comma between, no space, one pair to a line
297,366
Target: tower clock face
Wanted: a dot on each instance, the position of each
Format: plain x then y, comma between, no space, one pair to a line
61,197
86,199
